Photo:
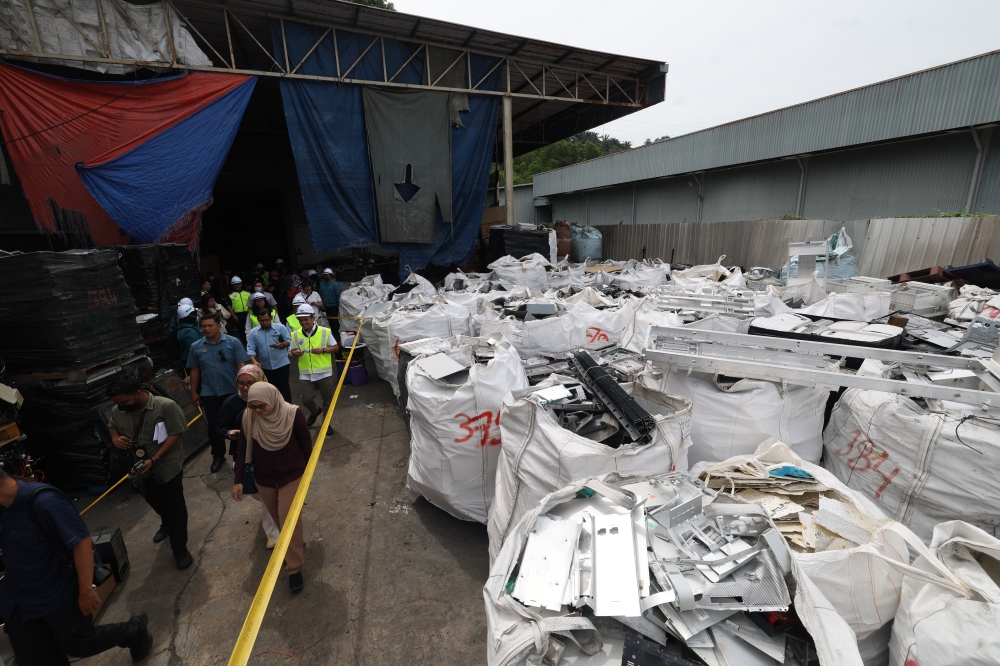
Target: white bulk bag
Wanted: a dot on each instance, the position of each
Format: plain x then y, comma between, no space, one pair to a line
455,433
647,315
368,333
423,287
641,276
606,325
527,271
847,598
516,634
920,467
699,276
940,626
537,455
733,419
530,338
442,319
359,296
855,307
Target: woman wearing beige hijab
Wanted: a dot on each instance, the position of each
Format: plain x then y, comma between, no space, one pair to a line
276,439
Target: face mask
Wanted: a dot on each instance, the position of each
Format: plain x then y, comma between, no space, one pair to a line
258,290
133,407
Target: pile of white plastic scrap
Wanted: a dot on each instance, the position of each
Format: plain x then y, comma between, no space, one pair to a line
359,296
455,391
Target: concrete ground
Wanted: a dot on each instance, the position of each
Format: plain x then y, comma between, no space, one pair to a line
389,578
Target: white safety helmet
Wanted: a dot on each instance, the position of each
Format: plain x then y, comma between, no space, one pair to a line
311,272
299,300
236,280
184,310
185,301
327,271
306,309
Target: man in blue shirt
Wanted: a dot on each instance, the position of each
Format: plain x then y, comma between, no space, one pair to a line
329,291
212,364
268,345
47,608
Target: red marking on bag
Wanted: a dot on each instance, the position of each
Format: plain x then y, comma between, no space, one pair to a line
395,346
483,423
871,458
595,334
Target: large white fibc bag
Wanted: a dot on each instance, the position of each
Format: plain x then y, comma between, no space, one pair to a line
537,455
421,286
529,271
921,467
647,315
516,635
530,338
368,332
937,625
847,598
441,319
855,307
641,276
455,433
733,418
359,296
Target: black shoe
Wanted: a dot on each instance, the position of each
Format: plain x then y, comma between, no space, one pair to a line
217,464
184,561
161,534
144,641
312,418
295,582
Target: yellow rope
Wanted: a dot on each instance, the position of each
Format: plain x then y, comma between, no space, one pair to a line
243,649
200,414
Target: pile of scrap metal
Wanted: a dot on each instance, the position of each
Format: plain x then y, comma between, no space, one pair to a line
582,390
811,516
699,576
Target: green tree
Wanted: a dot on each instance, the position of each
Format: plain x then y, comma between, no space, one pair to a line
553,156
608,144
650,142
381,4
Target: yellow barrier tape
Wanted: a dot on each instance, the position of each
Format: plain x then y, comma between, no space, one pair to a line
255,616
108,491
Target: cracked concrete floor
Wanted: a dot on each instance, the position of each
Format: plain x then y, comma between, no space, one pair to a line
389,578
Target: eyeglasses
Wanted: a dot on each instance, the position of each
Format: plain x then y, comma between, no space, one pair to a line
257,408
246,384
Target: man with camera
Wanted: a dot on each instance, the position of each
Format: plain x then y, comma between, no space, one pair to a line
48,597
149,427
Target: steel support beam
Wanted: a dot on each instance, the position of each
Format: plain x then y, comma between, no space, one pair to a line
508,159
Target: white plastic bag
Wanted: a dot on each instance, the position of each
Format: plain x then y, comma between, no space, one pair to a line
855,307
538,455
529,271
455,433
920,467
422,287
647,315
733,419
359,296
940,626
642,276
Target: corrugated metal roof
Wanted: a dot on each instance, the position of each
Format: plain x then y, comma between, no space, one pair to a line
952,96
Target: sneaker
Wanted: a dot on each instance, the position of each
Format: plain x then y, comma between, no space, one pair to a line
312,418
270,544
185,560
161,534
217,464
144,641
295,582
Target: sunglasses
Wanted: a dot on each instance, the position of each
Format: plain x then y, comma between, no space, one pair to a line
259,407
222,356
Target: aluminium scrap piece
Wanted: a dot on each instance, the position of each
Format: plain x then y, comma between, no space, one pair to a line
811,516
684,565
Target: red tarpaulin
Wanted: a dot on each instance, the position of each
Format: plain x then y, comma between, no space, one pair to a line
51,124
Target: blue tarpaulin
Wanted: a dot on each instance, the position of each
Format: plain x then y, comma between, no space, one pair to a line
326,125
160,181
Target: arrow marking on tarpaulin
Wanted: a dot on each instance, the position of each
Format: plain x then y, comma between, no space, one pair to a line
406,190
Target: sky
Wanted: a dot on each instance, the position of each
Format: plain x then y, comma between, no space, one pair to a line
730,60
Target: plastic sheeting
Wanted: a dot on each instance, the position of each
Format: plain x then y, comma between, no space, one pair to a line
326,126
168,135
130,27
64,311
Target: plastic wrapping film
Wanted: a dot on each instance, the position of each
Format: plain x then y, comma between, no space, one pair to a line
160,275
66,425
74,309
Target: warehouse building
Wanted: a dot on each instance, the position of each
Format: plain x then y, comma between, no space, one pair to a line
916,145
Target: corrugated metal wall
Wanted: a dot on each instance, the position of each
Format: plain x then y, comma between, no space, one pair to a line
668,200
882,247
918,177
753,243
953,96
524,207
757,192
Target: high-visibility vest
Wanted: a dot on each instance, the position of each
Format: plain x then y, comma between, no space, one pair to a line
240,300
309,363
293,323
274,317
